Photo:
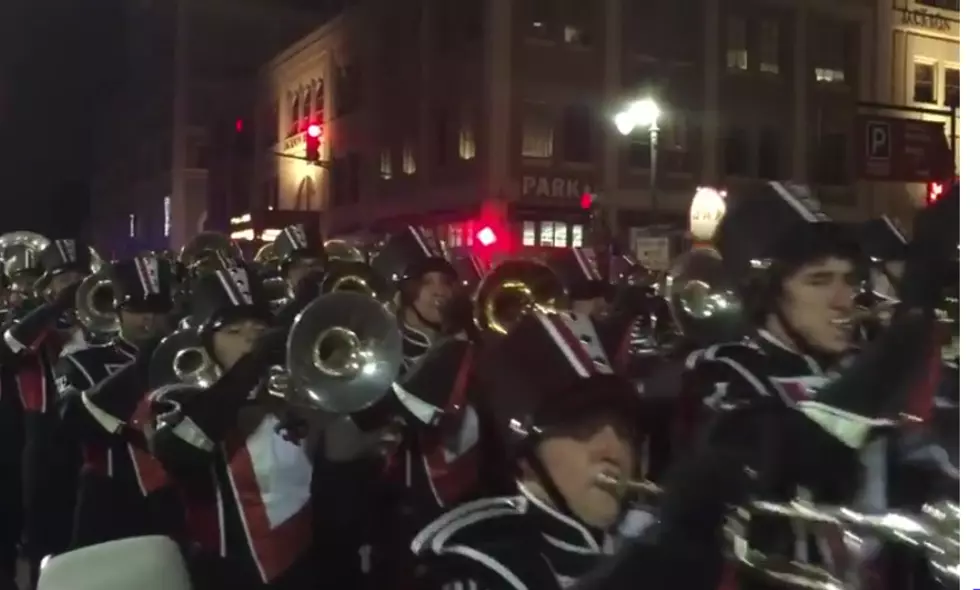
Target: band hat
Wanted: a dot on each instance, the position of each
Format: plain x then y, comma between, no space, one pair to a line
144,282
577,270
297,241
412,253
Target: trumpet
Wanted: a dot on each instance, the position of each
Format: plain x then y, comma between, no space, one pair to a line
934,530
95,305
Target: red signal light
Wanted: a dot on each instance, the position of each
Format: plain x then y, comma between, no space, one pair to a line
239,125
587,200
314,135
486,236
314,131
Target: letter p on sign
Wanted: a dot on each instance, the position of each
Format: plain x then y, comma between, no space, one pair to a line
879,143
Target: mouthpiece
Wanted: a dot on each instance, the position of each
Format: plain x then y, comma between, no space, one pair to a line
637,486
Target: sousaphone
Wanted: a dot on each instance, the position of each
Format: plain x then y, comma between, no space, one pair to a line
182,359
343,353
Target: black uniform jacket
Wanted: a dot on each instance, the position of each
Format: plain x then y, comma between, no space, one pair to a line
506,543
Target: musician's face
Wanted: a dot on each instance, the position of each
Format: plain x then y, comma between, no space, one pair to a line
817,298
302,268
574,455
435,289
137,326
232,341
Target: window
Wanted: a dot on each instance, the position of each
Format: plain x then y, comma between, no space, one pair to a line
537,140
830,42
440,135
384,164
529,234
770,155
541,18
737,153
294,115
738,50
455,235
132,225
467,141
830,160
769,47
942,4
951,87
307,106
318,100
561,235
925,83
547,234
638,151
576,236
578,17
408,160
577,134
167,223
347,89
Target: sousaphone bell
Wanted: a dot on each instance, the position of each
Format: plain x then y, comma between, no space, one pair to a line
182,359
514,288
95,305
702,299
355,277
343,352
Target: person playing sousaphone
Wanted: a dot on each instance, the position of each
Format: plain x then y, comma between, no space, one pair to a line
100,387
245,488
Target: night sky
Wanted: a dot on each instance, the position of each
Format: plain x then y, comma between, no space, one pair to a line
56,62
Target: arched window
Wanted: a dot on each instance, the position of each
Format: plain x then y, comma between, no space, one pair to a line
318,102
294,116
307,104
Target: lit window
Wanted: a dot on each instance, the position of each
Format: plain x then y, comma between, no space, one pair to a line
925,83
576,236
769,47
829,75
384,162
467,141
738,49
561,235
547,234
132,225
952,86
455,235
538,136
529,235
408,160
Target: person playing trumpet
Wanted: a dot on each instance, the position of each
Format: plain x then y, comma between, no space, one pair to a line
111,493
246,490
798,276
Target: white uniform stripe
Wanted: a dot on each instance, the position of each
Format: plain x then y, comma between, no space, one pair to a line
563,345
234,296
894,229
793,202
421,242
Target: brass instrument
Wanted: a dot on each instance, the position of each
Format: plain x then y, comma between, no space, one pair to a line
206,250
182,359
357,277
703,301
343,251
343,352
19,250
514,288
95,305
935,531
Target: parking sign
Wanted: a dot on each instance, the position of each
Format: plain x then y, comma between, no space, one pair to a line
878,141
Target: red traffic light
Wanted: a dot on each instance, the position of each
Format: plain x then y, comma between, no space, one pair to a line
486,236
314,130
587,200
313,141
239,125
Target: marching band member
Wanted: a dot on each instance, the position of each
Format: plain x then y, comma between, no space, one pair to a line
246,490
565,419
587,290
302,263
798,290
111,497
31,346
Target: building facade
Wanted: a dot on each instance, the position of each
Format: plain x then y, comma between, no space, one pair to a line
187,64
918,49
452,113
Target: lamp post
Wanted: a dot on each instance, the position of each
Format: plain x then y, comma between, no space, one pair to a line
643,114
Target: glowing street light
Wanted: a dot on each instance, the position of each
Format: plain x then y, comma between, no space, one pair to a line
643,114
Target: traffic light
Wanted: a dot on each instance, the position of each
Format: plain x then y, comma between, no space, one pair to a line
588,199
314,138
934,192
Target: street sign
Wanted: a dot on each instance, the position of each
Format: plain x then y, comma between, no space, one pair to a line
902,150
878,142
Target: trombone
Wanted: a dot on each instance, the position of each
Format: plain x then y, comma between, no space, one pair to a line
515,288
935,530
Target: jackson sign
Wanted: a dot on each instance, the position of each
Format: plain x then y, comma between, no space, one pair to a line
555,187
927,20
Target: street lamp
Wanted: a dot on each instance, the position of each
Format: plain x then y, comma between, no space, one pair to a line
640,114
